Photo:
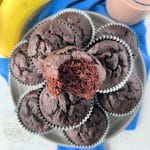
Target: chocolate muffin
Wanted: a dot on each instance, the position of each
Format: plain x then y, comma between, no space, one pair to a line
91,132
124,100
47,37
65,110
22,67
114,58
74,71
28,113
81,23
122,31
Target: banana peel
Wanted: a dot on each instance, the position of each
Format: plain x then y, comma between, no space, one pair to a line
13,17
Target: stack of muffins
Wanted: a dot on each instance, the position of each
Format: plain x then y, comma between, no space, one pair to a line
79,77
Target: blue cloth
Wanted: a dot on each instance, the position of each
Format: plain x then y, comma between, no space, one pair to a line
98,147
4,67
93,5
133,123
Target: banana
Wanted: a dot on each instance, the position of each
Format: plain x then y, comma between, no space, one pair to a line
14,14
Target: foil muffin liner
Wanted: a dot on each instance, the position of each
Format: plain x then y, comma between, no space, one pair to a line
99,30
131,62
32,85
101,140
19,119
134,109
58,127
72,10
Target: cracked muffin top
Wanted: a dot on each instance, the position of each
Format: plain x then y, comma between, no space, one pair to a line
22,67
28,113
81,24
91,131
123,100
64,110
114,58
50,36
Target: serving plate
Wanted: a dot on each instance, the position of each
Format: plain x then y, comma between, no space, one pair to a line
117,124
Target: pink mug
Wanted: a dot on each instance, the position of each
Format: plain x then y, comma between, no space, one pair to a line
128,11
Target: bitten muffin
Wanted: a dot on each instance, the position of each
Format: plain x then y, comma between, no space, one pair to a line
114,58
21,66
124,100
80,22
121,31
47,37
74,71
65,110
28,113
91,132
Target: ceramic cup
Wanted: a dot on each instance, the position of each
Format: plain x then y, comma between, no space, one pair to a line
128,11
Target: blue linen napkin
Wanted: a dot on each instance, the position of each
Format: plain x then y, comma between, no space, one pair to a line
98,147
93,5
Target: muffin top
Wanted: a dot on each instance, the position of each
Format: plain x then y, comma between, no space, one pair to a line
22,67
47,37
80,23
114,58
28,113
91,131
123,100
64,110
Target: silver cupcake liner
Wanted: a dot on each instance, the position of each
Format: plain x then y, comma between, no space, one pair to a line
72,10
135,108
20,121
58,127
32,85
131,62
101,140
122,25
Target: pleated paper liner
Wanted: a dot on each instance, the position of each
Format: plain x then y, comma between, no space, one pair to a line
35,116
31,84
102,29
76,12
101,139
129,112
117,86
66,127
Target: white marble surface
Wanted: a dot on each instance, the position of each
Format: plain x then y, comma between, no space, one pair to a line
13,137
